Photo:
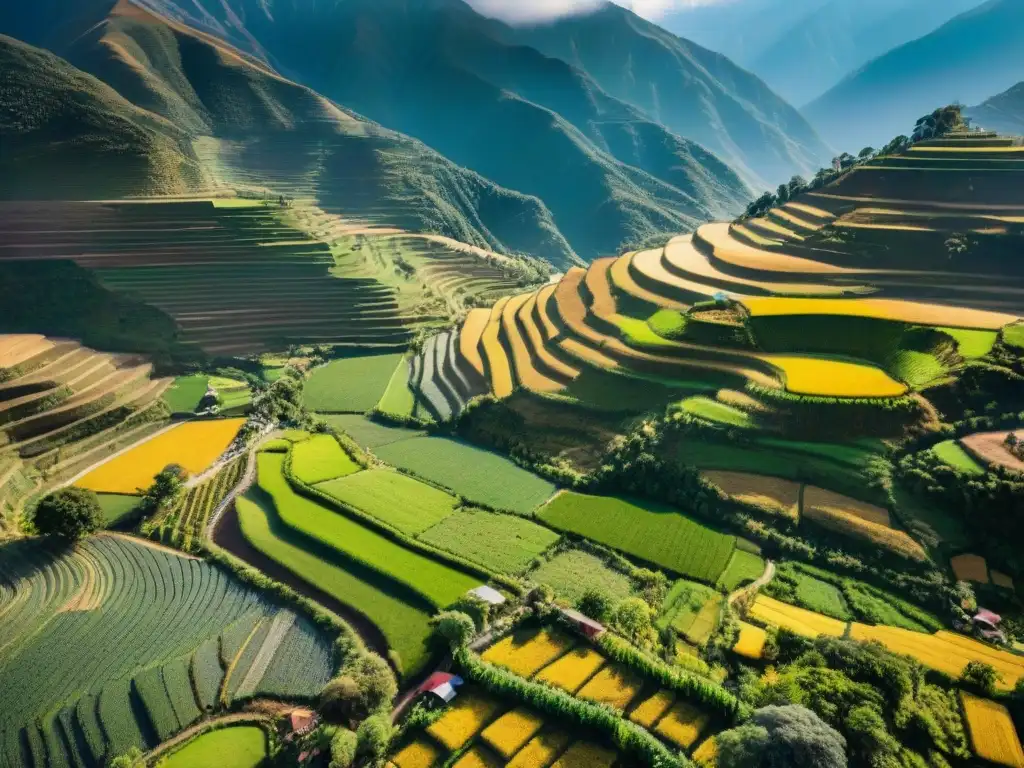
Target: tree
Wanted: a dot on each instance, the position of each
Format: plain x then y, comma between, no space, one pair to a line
455,627
781,737
633,618
365,686
869,737
165,488
130,759
374,736
782,194
343,749
595,603
866,153
982,676
69,514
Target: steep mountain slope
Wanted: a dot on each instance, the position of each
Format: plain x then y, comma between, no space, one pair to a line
1003,113
437,71
841,36
696,93
271,132
970,58
64,132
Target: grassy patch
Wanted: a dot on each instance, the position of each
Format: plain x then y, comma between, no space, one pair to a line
321,458
655,533
393,498
796,586
712,410
972,344
349,385
1013,335
478,475
639,334
573,572
398,399
915,368
116,506
685,602
367,434
240,746
951,452
743,568
668,323
184,394
503,543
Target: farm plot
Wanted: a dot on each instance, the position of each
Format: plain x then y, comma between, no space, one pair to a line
798,620
193,446
751,641
692,610
993,734
393,498
823,377
116,507
497,542
744,567
825,509
527,651
351,384
321,458
366,433
186,523
480,476
911,312
720,413
951,452
157,608
988,448
968,567
184,395
775,494
652,532
398,399
437,584
239,746
571,573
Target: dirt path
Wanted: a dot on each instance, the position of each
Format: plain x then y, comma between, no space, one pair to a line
764,578
204,725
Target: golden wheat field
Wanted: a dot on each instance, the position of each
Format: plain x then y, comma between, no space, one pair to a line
848,524
541,751
572,670
798,620
194,445
822,377
706,755
583,754
969,567
750,643
525,653
464,719
419,754
614,685
651,710
992,732
682,724
913,312
510,732
944,651
478,757
759,490
823,499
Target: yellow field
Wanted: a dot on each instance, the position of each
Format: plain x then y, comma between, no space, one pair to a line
970,568
944,651
572,670
759,490
819,376
463,720
583,754
706,755
992,732
420,754
510,732
827,500
1007,150
751,641
852,525
732,251
614,685
194,445
541,751
469,338
683,725
798,620
651,710
478,757
498,366
916,313
527,654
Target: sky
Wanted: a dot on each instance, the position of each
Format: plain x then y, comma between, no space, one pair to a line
529,11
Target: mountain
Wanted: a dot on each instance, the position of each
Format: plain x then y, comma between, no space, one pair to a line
1003,113
841,36
250,127
697,93
61,128
968,59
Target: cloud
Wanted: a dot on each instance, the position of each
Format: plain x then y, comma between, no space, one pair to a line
534,11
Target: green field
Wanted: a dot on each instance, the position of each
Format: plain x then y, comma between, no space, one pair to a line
914,368
186,392
366,433
116,507
438,584
656,533
685,603
1013,335
321,458
712,410
502,543
405,626
479,476
349,385
393,498
668,323
951,452
571,573
160,611
972,344
398,399
744,567
238,746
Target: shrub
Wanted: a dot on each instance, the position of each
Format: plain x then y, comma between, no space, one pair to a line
981,676
455,627
365,686
343,749
595,604
68,514
374,736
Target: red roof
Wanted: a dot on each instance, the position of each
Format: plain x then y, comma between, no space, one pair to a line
302,720
435,680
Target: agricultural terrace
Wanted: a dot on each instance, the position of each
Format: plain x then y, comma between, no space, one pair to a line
238,746
350,384
321,458
186,523
480,476
572,572
992,732
911,312
951,452
393,498
498,542
778,495
652,532
194,446
821,377
367,434
167,616
185,394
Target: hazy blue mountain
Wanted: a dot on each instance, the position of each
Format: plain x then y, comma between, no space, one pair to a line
970,58
1003,112
830,42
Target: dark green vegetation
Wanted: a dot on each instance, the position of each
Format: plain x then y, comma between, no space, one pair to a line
68,515
102,703
185,394
349,385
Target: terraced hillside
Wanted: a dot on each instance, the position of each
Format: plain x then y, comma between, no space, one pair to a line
64,407
234,277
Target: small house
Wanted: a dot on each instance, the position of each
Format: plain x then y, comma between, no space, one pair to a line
301,721
440,686
488,595
585,625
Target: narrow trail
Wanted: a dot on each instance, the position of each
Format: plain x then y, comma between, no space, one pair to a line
764,578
